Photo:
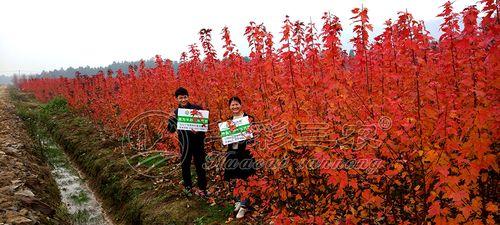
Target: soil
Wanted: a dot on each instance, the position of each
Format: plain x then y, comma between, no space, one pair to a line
28,192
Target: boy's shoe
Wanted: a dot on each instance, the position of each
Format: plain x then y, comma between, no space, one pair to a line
241,213
201,193
237,206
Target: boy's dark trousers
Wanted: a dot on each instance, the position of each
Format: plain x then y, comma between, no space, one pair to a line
192,148
194,152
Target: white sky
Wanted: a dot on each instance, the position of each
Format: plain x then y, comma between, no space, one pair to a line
45,35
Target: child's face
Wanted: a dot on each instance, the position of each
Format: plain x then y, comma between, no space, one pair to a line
235,107
183,100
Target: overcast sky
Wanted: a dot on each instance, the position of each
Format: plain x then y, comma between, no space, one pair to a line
45,35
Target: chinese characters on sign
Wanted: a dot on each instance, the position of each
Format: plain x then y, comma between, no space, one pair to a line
235,130
192,119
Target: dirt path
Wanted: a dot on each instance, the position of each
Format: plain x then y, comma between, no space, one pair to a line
28,194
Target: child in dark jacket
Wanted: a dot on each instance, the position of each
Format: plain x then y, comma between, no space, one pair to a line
191,144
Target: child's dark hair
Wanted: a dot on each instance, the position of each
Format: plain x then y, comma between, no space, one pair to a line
234,98
181,91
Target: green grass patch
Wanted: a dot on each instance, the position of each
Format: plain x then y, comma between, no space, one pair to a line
80,198
81,217
214,214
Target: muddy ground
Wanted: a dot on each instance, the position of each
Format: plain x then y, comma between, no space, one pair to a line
28,192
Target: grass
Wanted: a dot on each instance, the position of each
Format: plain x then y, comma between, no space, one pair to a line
55,156
57,105
217,213
80,198
81,217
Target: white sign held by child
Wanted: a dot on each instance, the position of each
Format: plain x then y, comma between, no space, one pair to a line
192,119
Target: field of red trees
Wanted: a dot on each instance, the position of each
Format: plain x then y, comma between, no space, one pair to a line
424,110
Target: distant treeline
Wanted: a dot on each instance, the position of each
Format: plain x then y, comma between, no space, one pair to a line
87,70
70,72
4,79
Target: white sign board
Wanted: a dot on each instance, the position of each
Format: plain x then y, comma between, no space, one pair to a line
235,130
192,119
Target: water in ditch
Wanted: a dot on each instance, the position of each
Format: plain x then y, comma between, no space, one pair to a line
78,198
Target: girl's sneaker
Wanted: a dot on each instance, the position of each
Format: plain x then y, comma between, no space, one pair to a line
241,213
201,193
237,206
